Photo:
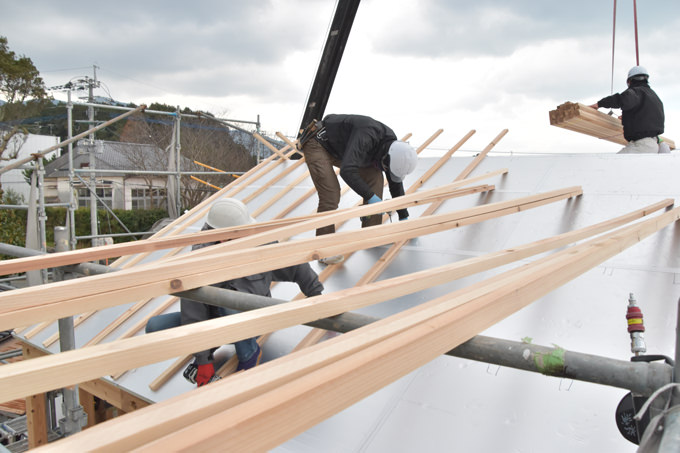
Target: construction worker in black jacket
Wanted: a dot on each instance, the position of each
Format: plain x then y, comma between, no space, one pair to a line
363,149
224,213
642,113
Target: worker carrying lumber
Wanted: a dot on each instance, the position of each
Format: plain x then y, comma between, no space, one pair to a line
224,213
363,149
642,113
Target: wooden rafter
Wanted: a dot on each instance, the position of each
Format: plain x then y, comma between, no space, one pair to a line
107,358
321,380
229,261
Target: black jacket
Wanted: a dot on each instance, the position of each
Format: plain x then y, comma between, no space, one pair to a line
259,284
359,142
642,111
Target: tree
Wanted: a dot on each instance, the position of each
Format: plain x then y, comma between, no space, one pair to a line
202,139
23,91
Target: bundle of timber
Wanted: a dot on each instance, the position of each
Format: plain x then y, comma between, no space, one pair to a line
578,117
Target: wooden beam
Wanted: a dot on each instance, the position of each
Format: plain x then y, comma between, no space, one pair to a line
290,169
36,420
271,147
36,410
142,246
322,380
86,400
133,352
230,260
100,388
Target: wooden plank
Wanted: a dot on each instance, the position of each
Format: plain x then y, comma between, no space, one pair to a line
271,147
36,410
230,190
126,315
325,218
581,118
104,390
36,420
139,325
384,345
280,194
291,168
111,357
313,337
142,246
246,325
57,299
169,372
86,400
114,395
313,397
36,329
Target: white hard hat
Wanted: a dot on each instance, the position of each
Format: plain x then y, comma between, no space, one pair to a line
403,160
228,212
638,71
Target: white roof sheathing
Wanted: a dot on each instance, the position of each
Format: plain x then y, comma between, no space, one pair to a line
454,404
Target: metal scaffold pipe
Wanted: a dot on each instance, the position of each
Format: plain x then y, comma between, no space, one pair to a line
21,162
639,377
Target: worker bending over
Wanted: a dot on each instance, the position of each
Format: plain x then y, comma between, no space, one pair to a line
642,113
225,213
363,149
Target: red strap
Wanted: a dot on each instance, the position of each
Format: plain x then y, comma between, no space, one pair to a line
637,49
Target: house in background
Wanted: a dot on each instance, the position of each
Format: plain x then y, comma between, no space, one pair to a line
117,185
32,143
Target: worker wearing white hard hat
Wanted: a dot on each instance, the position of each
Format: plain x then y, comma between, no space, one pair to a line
227,213
362,148
642,113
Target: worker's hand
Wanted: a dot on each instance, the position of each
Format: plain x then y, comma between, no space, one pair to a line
204,374
373,199
594,106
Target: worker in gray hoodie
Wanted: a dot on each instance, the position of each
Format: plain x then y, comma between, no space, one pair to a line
224,213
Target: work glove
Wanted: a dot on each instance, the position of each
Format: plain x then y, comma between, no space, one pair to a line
204,374
373,199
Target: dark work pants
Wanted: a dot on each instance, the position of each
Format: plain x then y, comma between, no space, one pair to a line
325,179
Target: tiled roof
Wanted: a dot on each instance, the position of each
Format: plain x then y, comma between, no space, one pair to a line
116,156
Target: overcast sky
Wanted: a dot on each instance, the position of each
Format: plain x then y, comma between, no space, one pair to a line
417,66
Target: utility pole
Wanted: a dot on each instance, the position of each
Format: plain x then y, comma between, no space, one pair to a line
93,176
71,176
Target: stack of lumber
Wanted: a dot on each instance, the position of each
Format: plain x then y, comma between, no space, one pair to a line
578,117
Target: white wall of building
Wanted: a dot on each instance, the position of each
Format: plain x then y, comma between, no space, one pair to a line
14,179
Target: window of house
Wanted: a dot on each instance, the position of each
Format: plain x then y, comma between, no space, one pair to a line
143,198
104,191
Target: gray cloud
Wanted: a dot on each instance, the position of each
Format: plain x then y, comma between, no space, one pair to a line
492,27
201,47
